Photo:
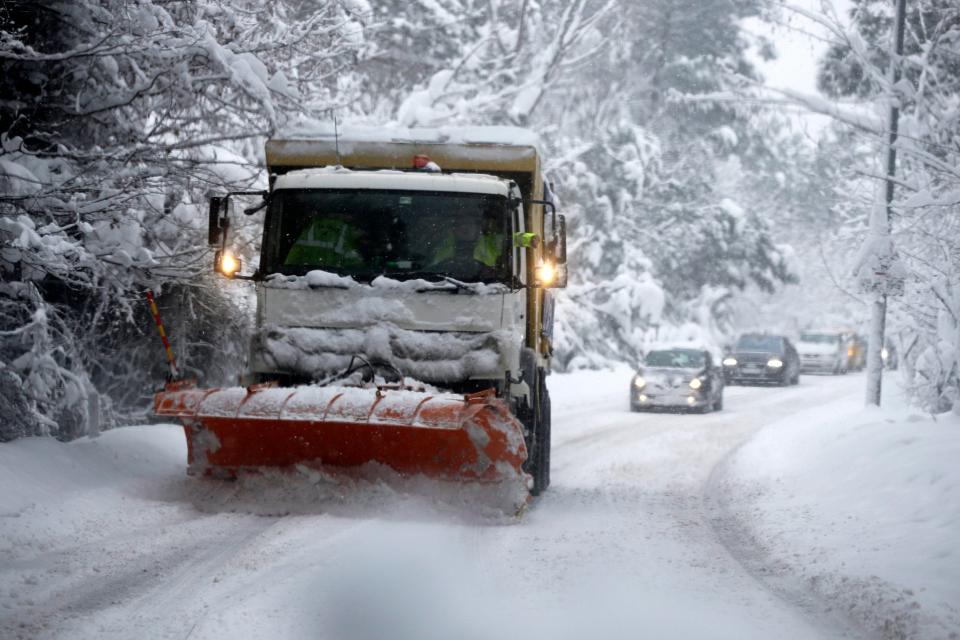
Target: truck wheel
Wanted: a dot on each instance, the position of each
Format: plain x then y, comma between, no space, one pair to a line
545,442
538,462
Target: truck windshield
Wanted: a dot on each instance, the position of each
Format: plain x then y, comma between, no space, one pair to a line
820,338
366,233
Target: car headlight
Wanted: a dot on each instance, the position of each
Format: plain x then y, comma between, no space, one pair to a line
884,353
729,362
639,382
696,383
774,363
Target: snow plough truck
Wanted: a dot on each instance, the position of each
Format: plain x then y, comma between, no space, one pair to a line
404,315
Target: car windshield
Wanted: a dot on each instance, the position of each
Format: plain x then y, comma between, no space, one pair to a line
758,343
679,358
366,233
820,338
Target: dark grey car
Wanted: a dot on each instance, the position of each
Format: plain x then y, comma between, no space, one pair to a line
760,357
677,379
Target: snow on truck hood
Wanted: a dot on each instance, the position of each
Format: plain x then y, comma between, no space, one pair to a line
389,180
363,306
434,358
314,323
337,301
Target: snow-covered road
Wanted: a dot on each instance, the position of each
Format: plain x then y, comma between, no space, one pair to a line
109,539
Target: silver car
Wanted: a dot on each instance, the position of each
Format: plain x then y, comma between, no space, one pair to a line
678,379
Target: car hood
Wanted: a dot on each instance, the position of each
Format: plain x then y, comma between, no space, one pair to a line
669,375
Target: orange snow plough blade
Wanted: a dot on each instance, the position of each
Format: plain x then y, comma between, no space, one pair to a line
447,436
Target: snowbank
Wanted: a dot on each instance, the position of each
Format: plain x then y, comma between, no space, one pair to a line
864,506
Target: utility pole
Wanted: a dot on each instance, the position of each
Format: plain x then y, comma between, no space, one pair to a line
880,225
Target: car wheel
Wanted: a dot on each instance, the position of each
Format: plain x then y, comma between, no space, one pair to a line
718,404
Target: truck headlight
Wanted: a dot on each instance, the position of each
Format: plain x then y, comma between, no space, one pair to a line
696,383
884,354
639,382
226,263
774,363
729,362
546,274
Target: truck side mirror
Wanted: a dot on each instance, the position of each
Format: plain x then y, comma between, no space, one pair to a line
218,220
561,281
561,249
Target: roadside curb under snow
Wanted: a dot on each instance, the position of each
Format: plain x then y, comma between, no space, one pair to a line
823,587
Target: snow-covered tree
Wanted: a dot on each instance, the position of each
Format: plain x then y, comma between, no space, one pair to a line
924,225
650,231
117,119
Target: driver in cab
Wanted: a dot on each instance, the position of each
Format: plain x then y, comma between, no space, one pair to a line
470,244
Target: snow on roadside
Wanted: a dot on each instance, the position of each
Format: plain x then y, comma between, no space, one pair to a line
48,485
864,506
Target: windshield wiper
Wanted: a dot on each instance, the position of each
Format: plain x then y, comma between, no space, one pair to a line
450,284
413,275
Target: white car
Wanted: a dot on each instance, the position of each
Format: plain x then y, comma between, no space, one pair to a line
823,352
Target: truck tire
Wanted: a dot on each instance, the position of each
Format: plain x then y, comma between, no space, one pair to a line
538,447
546,440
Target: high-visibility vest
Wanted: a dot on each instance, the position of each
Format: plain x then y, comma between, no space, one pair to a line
326,243
487,249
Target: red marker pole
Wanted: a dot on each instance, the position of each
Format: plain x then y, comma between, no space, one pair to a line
174,374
